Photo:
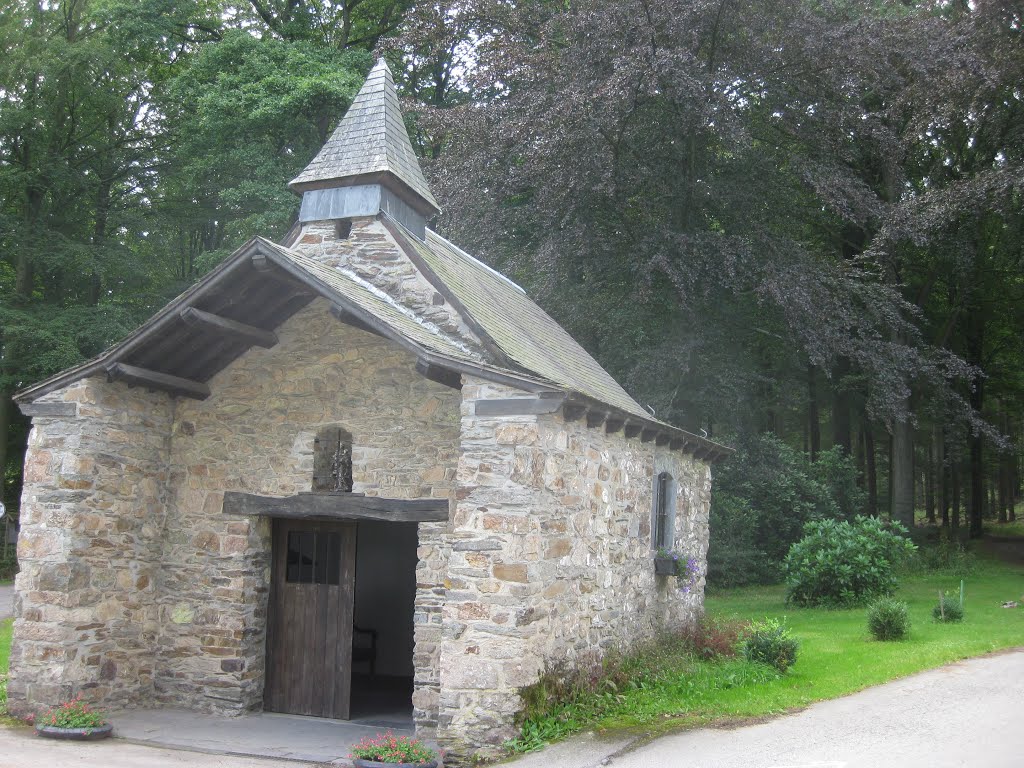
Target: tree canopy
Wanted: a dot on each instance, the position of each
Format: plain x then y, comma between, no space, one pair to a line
760,215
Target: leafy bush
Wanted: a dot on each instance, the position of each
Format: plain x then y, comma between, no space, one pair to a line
713,638
944,555
769,642
838,563
8,563
735,556
888,619
762,498
948,609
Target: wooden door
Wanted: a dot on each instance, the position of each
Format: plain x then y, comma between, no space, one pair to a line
309,627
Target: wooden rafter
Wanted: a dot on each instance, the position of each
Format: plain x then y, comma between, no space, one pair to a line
144,377
612,425
243,331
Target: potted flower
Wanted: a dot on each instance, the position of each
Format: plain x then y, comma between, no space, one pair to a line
672,563
74,720
391,751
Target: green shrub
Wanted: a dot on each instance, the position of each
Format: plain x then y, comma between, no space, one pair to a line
769,642
948,609
8,563
711,637
888,619
838,563
763,496
945,554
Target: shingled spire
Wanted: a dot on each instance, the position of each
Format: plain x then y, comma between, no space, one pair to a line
368,164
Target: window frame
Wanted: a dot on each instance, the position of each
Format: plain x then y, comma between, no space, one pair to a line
663,508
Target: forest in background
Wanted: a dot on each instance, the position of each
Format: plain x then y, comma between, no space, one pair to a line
796,226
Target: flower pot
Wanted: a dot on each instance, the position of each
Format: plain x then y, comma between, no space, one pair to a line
75,734
359,762
664,566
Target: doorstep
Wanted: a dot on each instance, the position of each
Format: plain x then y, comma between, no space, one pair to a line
264,734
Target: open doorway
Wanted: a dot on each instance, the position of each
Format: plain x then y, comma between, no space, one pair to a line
382,641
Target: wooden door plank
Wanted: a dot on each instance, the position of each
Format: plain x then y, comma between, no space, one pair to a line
343,688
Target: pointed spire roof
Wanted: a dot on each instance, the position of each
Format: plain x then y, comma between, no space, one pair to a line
371,145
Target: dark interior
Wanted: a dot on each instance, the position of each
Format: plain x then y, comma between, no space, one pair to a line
382,642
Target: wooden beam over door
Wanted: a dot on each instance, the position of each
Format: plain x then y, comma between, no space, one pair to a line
337,506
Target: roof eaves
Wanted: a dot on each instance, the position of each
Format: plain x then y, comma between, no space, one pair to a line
686,440
169,314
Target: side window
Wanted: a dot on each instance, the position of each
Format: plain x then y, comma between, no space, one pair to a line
332,460
663,518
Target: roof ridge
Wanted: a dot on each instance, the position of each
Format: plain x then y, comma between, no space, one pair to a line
477,261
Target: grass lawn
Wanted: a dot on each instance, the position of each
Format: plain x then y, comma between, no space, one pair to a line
5,652
6,627
1016,528
837,657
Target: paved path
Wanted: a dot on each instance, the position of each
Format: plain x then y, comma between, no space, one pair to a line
964,715
20,748
968,714
313,739
6,601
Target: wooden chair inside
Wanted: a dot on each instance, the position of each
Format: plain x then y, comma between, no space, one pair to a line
364,647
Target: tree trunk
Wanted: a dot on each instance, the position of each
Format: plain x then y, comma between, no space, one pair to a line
1004,490
841,407
929,480
975,349
870,468
5,433
944,481
814,424
955,511
901,478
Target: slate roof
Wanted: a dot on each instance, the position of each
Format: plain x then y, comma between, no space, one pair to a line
526,333
370,139
363,296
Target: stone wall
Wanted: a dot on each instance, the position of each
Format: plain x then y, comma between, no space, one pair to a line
255,434
551,558
92,515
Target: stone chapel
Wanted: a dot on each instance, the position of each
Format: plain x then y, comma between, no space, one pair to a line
353,466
